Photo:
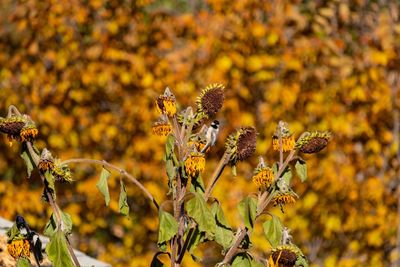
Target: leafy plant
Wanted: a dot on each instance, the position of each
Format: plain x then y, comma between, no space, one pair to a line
196,216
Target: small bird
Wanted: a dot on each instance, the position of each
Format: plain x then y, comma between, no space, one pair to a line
211,135
33,238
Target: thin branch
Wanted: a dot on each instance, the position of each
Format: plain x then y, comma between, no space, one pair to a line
121,171
217,173
240,234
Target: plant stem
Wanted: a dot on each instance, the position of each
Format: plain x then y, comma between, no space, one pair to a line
263,202
217,173
56,210
121,171
240,234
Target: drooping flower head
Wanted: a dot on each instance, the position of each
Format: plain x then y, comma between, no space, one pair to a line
263,176
241,144
166,103
18,127
282,130
195,164
283,256
211,99
313,142
46,162
282,198
19,248
161,127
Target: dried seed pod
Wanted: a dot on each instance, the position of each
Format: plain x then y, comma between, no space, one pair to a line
313,142
211,99
285,256
241,144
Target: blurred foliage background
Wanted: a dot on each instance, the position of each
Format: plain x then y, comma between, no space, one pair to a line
88,72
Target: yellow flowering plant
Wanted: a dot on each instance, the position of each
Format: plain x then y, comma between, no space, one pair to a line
196,216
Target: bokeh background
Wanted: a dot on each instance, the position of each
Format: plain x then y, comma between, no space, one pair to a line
88,73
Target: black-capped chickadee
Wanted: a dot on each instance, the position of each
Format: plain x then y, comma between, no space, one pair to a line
31,236
211,135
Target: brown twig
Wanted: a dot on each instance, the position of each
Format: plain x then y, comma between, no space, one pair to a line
121,171
216,174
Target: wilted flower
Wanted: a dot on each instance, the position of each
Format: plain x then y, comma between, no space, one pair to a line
283,256
166,103
61,172
29,132
282,130
241,144
46,162
263,176
211,99
19,248
195,164
282,198
19,127
161,128
313,142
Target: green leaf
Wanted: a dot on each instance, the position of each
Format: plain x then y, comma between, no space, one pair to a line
50,180
195,239
23,262
301,261
197,185
102,185
156,262
198,210
57,251
287,175
123,201
223,232
301,169
171,170
168,227
273,231
28,160
13,232
247,210
169,146
245,260
51,225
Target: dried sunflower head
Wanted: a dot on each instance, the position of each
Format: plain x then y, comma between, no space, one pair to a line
166,103
283,256
211,99
263,178
19,248
282,131
18,127
282,198
46,162
12,125
241,144
161,128
313,142
195,164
